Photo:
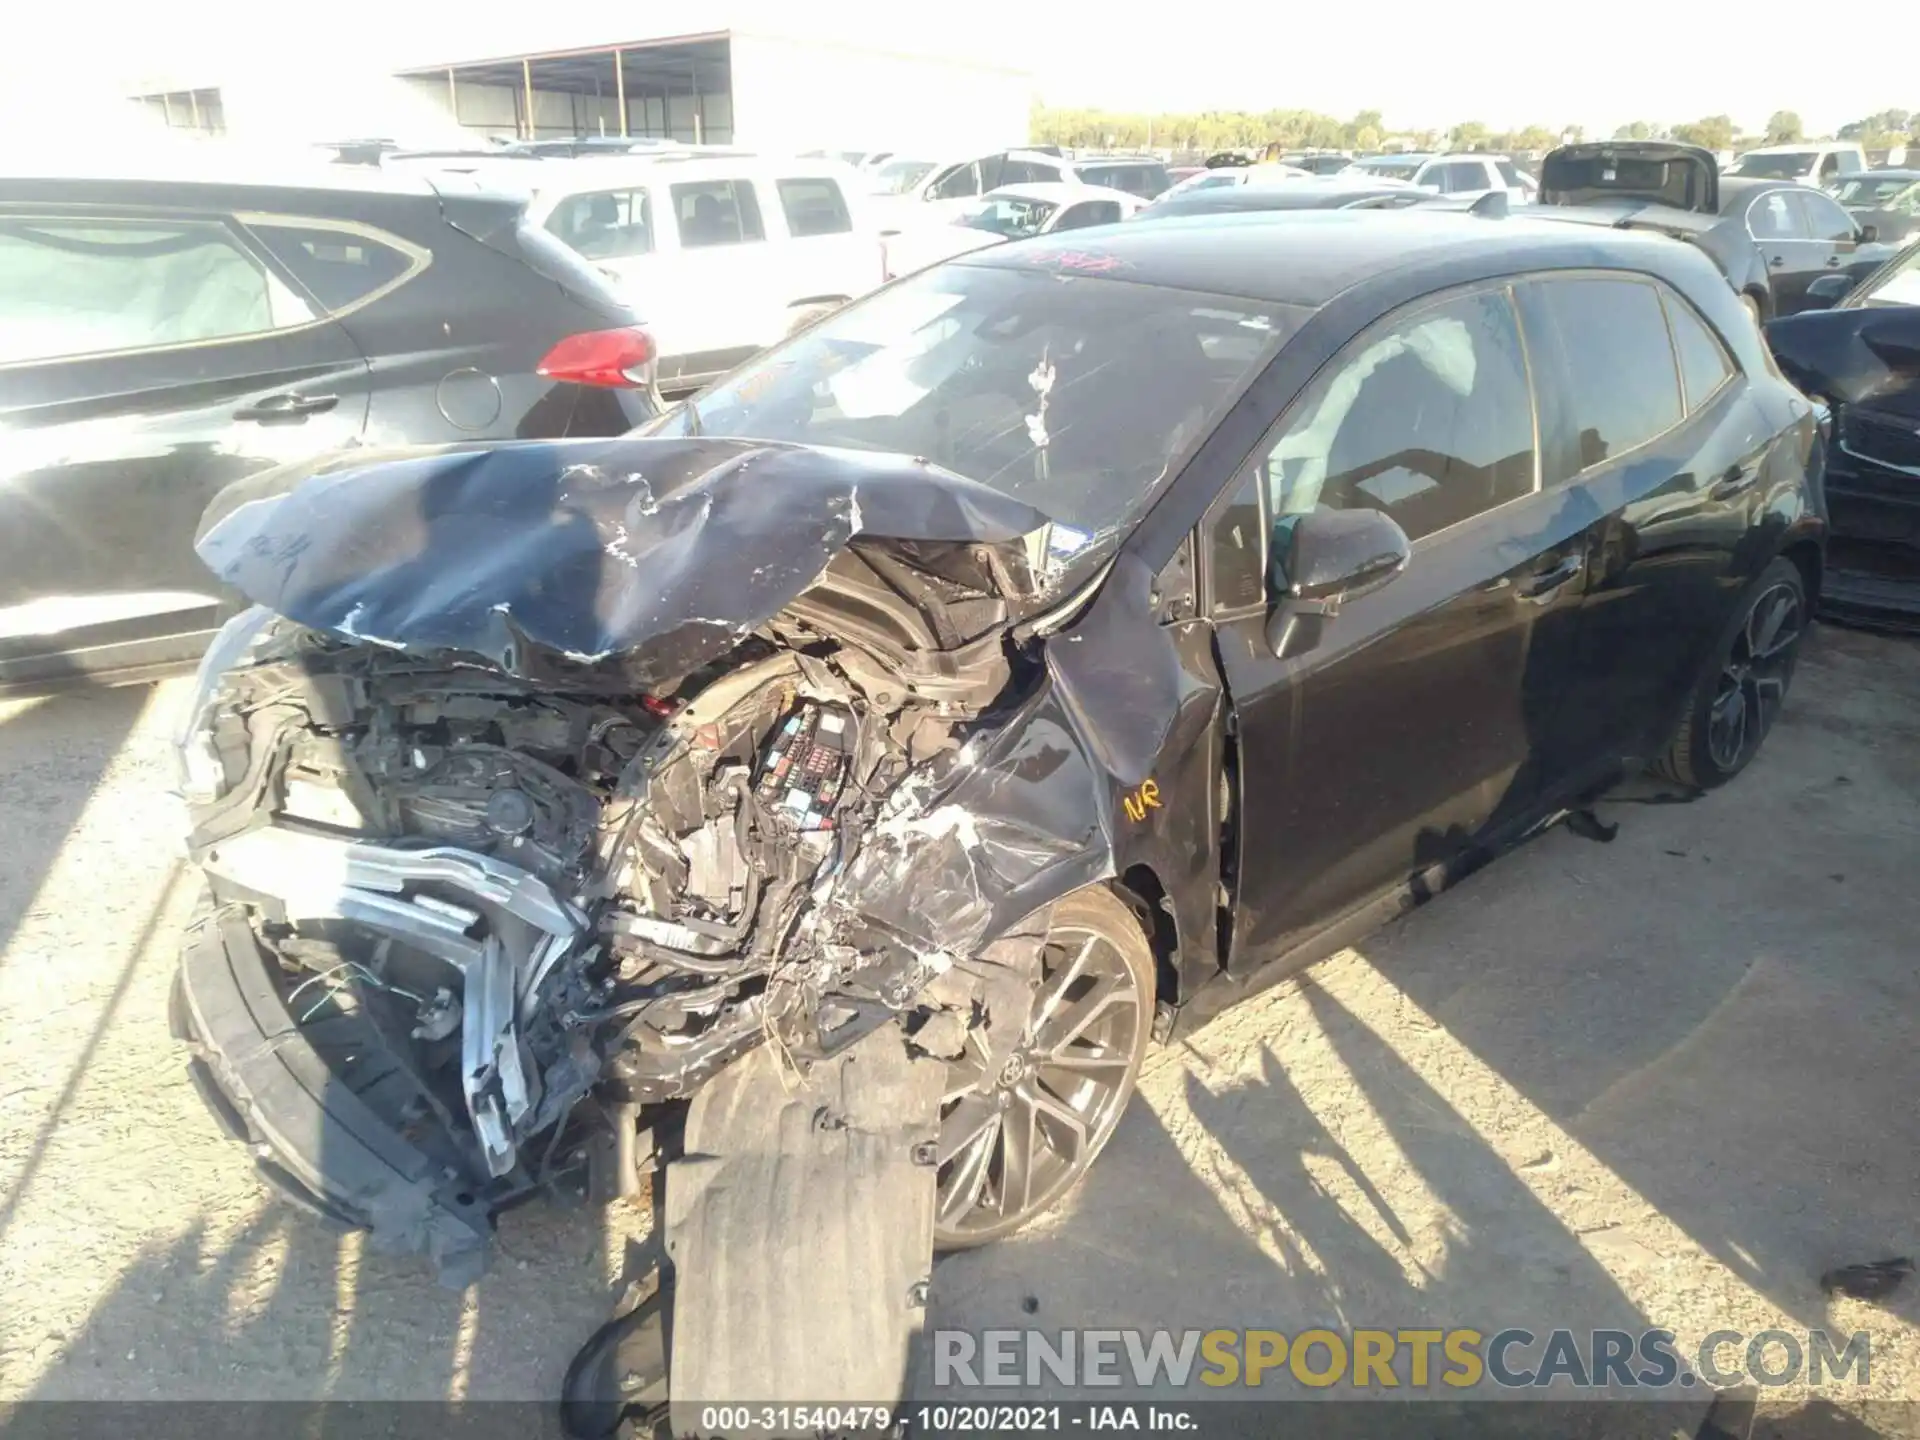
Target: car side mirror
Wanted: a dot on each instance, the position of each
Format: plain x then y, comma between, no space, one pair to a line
1829,290
1332,556
1869,234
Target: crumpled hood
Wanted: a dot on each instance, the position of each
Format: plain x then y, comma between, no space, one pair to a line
662,551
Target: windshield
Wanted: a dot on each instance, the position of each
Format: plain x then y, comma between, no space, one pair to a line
897,177
1009,215
1071,392
1786,166
1899,285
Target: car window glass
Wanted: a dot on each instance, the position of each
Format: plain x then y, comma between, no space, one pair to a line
606,225
1774,217
1074,393
1427,419
814,207
81,287
1605,343
1829,166
1898,285
1825,220
338,267
958,183
1089,212
1235,548
991,169
1704,366
716,212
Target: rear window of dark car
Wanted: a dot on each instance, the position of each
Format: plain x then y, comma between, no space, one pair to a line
339,268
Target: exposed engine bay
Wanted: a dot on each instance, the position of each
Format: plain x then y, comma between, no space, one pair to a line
493,899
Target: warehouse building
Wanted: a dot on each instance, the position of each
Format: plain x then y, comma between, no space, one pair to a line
768,86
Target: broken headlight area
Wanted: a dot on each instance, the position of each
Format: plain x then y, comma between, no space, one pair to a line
500,910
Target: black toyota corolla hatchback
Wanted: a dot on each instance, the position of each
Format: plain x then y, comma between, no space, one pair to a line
1022,662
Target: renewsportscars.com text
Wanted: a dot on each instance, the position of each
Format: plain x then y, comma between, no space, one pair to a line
1417,1359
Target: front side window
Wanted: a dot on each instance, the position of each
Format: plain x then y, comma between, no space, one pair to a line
1774,216
813,207
85,287
1072,392
958,183
717,212
1704,364
1427,419
1605,344
605,225
1825,220
897,177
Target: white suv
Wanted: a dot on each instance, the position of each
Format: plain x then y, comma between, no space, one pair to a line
720,255
1468,177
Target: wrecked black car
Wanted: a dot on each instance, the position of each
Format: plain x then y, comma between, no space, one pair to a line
1020,663
1862,359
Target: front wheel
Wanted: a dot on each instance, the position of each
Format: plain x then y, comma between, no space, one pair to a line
1739,696
1011,1144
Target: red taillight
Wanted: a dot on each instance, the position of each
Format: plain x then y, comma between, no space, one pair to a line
619,358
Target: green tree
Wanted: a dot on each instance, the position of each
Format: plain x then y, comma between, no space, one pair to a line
1784,127
1639,130
1714,132
1467,135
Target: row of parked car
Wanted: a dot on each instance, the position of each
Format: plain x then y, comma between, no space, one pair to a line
170,331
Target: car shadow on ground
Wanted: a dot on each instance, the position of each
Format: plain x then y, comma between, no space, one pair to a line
1722,1004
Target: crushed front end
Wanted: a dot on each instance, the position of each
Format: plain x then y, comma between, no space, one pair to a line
497,878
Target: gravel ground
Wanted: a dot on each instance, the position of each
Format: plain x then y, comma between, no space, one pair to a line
1665,1081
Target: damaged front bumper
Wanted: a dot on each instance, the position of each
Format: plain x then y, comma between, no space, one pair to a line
502,871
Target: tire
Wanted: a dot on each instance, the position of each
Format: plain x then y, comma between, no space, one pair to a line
1068,1104
1740,693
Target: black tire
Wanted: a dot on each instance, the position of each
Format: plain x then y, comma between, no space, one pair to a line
1740,692
1069,1088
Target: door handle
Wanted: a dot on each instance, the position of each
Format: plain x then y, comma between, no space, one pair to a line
1833,262
1539,587
1737,479
1777,261
286,409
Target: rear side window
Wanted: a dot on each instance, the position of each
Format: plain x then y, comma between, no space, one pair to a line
814,207
606,225
1089,212
339,268
1604,351
1427,418
87,287
1704,366
1774,216
717,212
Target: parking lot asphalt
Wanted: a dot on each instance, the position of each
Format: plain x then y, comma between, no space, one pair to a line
1664,1081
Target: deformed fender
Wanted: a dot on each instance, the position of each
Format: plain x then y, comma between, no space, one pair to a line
1034,809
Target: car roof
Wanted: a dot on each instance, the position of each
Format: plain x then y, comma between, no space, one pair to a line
575,176
1058,192
1742,188
210,163
1306,258
1300,195
1800,147
1888,173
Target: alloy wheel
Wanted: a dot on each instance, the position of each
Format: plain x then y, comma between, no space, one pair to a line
1753,679
1012,1143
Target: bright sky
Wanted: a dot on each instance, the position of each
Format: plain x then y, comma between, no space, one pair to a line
1501,62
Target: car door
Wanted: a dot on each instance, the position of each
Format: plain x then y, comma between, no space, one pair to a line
1831,225
728,276
1779,223
1407,733
1648,436
147,360
825,257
